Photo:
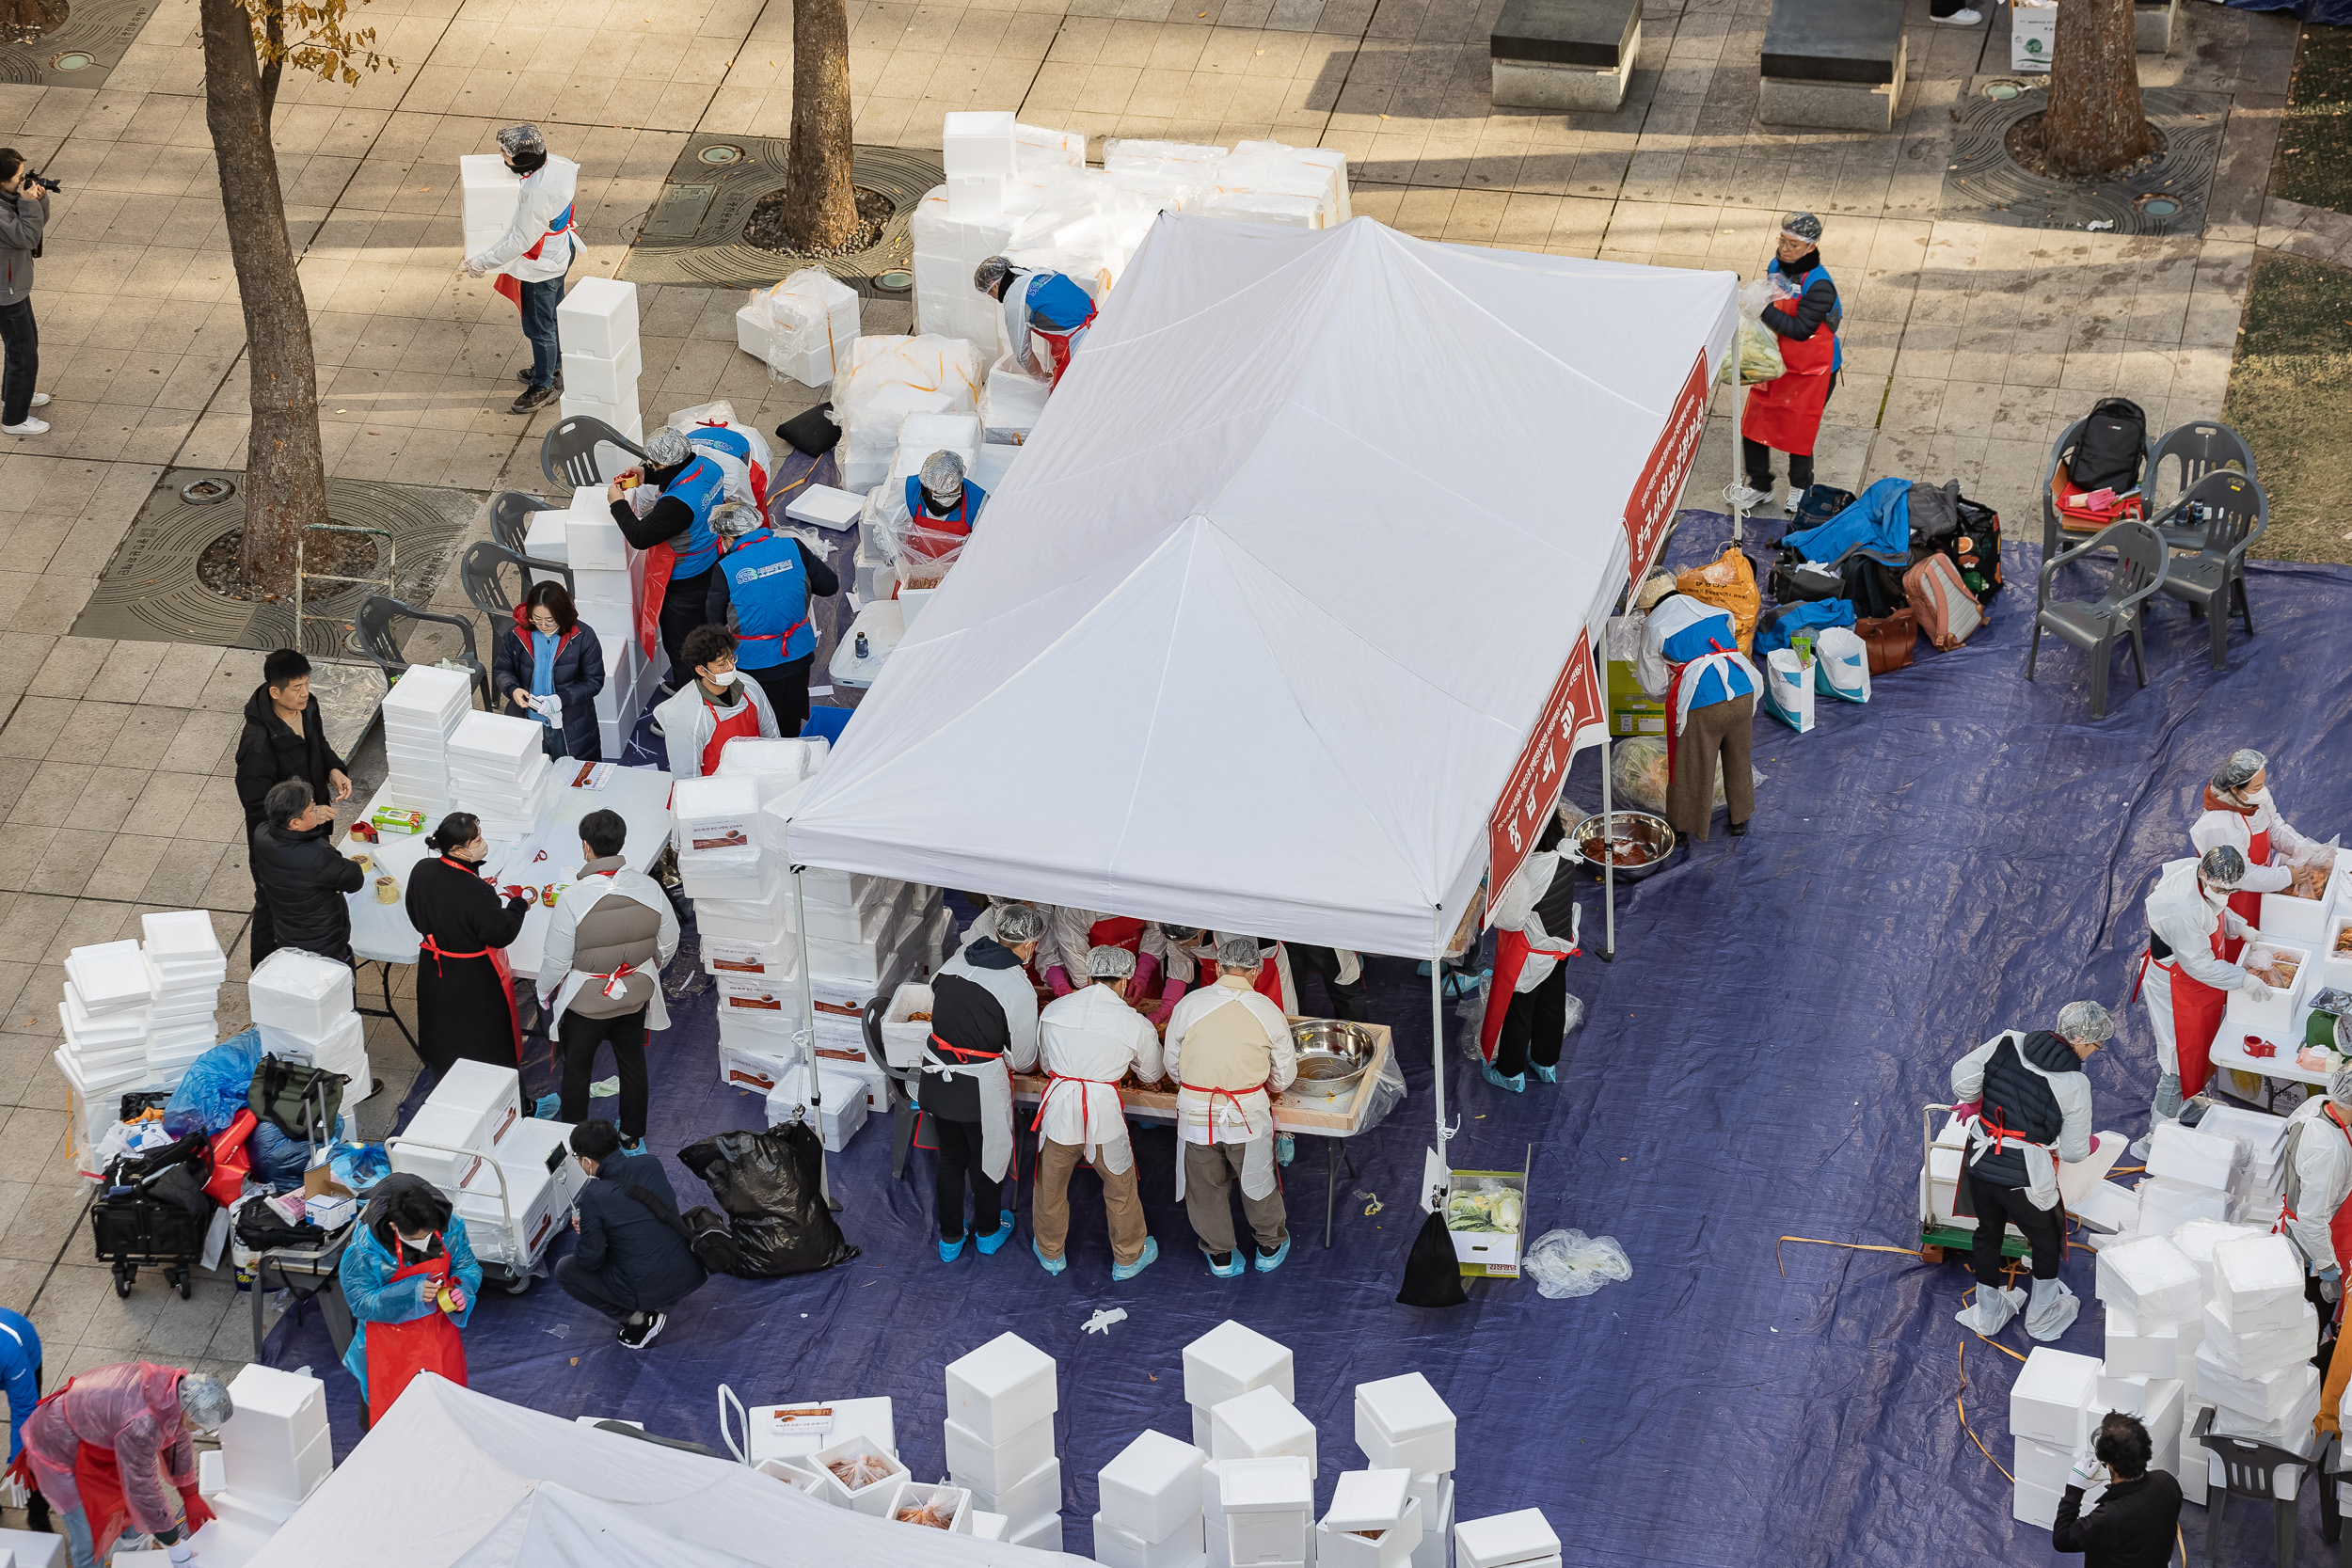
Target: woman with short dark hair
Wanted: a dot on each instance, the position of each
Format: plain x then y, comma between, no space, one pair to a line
551,653
464,991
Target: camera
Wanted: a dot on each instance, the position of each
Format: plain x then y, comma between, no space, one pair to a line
44,180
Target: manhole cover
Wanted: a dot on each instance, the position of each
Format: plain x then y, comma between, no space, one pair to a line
2001,92
150,591
895,281
695,231
1983,183
74,59
45,41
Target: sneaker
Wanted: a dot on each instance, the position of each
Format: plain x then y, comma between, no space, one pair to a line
1269,1262
1516,1085
30,427
636,1335
1225,1265
41,400
632,1146
950,1251
1547,1074
1747,498
523,376
1968,18
534,399
1050,1265
997,1237
1151,1256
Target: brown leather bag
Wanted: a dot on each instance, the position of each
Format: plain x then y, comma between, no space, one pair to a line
1889,640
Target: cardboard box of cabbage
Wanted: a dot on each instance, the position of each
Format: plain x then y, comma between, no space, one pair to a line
1485,1214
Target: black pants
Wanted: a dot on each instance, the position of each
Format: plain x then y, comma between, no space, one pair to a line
36,1506
1758,458
580,1038
19,339
587,1287
1534,1025
265,931
960,1158
1998,1207
1347,1001
683,606
786,686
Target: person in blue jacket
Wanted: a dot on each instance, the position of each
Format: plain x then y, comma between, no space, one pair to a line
765,590
1046,306
20,1370
674,533
409,1249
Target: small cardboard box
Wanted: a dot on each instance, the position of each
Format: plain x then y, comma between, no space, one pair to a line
1490,1254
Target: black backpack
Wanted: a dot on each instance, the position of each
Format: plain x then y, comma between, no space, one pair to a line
2112,447
714,1245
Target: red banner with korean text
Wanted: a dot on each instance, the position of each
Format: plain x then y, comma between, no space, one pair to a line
1650,506
1532,791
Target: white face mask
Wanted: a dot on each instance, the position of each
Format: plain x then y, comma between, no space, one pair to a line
2216,896
419,1245
723,677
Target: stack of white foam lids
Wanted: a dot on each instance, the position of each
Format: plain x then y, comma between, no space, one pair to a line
420,711
185,968
1328,163
104,1013
498,771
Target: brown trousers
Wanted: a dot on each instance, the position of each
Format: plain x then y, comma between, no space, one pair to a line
1049,1207
1212,1171
1721,732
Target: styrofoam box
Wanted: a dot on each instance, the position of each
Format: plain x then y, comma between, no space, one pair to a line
1264,1508
2336,963
825,506
1230,1360
1006,1385
976,198
1504,1539
745,876
491,1096
1201,1427
598,316
624,416
842,1113
2281,1017
714,813
2035,1505
1260,1424
917,1494
1024,1501
2265,1135
1122,1548
753,1060
449,1163
1044,1536
2046,1402
2264,1398
259,1472
989,1527
2132,1352
608,379
181,936
277,1412
2291,1429
977,143
996,1467
1400,1423
2258,1284
2288,918
2153,1278
2165,1205
904,1038
595,543
489,191
1392,1549
548,1143
1369,1499
531,1207
784,1431
346,1034
874,1499
1153,1488
2198,1158
300,992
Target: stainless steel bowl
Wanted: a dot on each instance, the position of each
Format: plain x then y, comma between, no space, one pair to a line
1333,1056
1334,1034
1638,829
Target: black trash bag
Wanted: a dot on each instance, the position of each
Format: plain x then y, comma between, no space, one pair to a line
1433,1275
768,1185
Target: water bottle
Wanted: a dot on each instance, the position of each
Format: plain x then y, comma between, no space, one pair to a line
861,644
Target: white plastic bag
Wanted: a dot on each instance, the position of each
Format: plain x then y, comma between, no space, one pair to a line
1757,349
1788,688
1841,667
888,378
1566,1264
813,321
1011,401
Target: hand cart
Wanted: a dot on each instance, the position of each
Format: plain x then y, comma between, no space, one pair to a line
1939,1233
134,1228
507,1256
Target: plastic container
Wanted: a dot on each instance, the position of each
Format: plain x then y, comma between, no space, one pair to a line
1232,1360
1006,1385
1152,1490
1260,1424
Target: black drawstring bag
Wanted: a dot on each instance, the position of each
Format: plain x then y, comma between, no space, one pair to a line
812,434
1433,1275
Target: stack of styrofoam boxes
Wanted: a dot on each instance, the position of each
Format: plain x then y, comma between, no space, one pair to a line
607,577
976,149
1373,1522
1269,183
1001,1400
185,970
1262,1424
2254,1364
2265,1140
1401,1424
947,250
491,193
1259,1513
2049,1405
2154,1294
740,894
1521,1540
1227,1362
104,1013
274,1450
597,325
889,378
2192,1174
420,712
802,327
1151,1505
470,1121
499,770
302,1005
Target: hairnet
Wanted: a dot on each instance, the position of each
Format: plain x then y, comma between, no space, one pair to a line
205,1401
1111,963
2085,1020
990,273
1802,226
666,446
1238,952
2239,771
733,520
1654,587
2223,866
519,139
1017,924
943,473
2339,1081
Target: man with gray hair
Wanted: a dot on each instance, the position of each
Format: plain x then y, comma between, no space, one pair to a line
1088,1040
983,1030
298,869
2191,966
1230,1050
533,255
2027,1106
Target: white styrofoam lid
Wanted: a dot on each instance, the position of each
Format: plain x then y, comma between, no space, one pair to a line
427,689
2056,1376
2150,1263
976,122
720,795
1507,1538
496,735
1262,1414
2250,1264
1147,1464
179,933
302,976
1259,1486
1369,1499
474,1087
1004,1364
1237,1350
108,975
261,1390
758,756
1403,1406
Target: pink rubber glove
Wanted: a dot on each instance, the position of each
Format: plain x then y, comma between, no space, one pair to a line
1168,998
1147,970
1059,978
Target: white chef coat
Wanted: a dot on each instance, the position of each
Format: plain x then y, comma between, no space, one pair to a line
546,193
2237,830
1092,1034
1515,912
2179,913
1203,1118
687,721
2323,1175
1066,944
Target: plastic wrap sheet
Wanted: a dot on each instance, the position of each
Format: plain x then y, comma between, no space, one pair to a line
812,322
890,378
1967,853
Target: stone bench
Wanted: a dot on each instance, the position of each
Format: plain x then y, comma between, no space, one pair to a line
1832,65
1565,53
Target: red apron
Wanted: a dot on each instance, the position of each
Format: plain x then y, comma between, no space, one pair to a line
2197,1010
744,722
1269,982
497,964
932,537
398,1352
1085,1104
511,288
98,1476
2244,904
1512,949
1785,413
2338,1225
659,562
965,1058
1058,349
1674,708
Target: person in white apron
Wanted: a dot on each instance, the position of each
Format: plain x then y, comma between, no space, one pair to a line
600,981
2317,1213
1230,1050
2240,813
983,1030
1526,1020
2184,976
1087,1041
1690,655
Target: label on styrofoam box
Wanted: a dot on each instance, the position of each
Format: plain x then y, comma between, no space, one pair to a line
756,994
743,1067
775,962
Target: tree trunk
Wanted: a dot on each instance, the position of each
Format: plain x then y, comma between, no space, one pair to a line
285,479
273,28
820,214
2094,124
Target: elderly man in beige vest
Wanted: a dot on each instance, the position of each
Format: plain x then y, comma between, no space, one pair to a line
600,983
1230,1050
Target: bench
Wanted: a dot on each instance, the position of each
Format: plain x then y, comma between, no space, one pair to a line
1832,65
1565,53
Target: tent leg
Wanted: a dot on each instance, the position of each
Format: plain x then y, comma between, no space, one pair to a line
1608,859
1739,474
808,1035
1436,1028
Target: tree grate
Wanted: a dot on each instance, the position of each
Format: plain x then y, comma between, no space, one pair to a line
693,232
150,591
80,52
1984,184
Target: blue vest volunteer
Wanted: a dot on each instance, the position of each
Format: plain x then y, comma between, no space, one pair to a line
701,485
769,593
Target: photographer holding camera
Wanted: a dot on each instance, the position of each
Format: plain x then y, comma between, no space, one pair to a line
24,214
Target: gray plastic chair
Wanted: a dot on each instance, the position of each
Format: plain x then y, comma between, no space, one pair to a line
2052,533
510,518
377,626
485,590
2249,1468
2227,512
2095,625
567,456
2199,448
902,1083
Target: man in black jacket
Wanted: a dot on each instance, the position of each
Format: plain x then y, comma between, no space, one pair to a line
2134,1523
284,739
301,876
632,1259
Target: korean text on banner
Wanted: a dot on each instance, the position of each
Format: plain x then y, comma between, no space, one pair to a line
1651,504
1534,789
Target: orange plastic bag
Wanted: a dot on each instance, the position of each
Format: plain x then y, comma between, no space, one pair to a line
1728,583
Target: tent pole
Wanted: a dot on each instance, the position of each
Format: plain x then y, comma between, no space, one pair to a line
1739,474
1437,1027
807,1033
1608,861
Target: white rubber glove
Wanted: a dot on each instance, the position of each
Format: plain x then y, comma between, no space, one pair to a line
2088,1472
2254,990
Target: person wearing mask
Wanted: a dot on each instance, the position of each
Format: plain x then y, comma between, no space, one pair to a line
533,255
1690,655
409,1277
600,982
741,454
1785,414
284,738
1527,1006
465,991
2183,976
550,666
765,592
143,1419
1230,1050
631,1260
2240,813
677,491
2137,1521
24,217
1072,935
713,708
1045,305
1088,1040
2026,1105
301,876
20,1373
941,507
983,1030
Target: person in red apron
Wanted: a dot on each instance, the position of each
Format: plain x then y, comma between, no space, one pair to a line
664,510
1088,1040
2184,977
983,1030
942,506
1046,314
2240,813
113,1451
533,255
465,991
1526,1020
1230,1052
714,707
1071,934
409,1277
1785,414
1690,655
766,590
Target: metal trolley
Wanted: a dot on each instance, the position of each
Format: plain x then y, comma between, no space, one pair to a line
515,1260
1938,1236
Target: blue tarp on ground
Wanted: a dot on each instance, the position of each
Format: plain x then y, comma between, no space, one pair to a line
1965,853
